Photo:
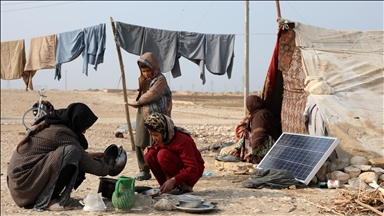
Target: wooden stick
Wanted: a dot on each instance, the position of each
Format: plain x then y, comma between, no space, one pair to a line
124,88
369,207
278,9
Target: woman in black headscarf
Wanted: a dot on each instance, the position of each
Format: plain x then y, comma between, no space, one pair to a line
261,130
51,159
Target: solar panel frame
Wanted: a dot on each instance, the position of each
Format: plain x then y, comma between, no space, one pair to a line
301,154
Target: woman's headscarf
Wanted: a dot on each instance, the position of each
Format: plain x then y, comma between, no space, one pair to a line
163,124
77,116
254,103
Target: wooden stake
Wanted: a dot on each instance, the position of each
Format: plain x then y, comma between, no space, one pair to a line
278,9
124,87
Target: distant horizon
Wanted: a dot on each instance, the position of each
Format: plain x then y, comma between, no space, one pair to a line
131,90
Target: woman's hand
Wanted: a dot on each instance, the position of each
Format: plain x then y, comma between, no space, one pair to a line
248,156
234,151
133,104
97,155
146,150
168,185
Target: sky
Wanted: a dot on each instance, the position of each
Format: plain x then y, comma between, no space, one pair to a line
29,19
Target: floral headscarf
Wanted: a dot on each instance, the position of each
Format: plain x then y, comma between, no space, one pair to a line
163,124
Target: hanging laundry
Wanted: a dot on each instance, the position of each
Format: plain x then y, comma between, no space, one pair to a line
192,47
12,59
163,44
41,55
94,46
129,37
69,46
213,51
138,40
219,53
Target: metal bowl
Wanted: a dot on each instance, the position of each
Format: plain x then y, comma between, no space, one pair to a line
116,158
190,203
152,192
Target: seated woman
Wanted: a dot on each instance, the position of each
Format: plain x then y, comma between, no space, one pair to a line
257,132
174,158
51,159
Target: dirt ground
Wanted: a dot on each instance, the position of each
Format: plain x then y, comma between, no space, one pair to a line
205,113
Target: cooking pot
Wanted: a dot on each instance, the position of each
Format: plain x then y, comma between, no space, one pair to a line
117,158
107,187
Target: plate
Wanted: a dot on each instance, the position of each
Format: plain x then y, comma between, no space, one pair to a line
203,208
152,192
140,189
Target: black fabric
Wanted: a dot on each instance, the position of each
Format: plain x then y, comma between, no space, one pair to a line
77,116
64,178
272,179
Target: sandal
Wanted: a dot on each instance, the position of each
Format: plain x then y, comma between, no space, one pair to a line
143,176
57,207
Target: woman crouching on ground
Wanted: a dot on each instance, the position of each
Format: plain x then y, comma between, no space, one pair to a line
51,160
174,158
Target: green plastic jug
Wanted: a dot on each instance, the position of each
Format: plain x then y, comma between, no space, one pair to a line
124,198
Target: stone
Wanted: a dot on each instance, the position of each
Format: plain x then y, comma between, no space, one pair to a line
339,175
369,177
324,169
339,164
381,178
377,170
363,168
377,162
352,171
357,183
359,160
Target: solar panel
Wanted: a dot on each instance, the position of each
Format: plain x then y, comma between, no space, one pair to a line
301,154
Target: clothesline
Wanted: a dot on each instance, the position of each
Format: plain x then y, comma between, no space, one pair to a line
266,33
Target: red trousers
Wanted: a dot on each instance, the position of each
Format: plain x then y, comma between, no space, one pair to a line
166,164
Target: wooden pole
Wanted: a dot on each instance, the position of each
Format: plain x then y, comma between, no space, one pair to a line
278,9
124,88
246,57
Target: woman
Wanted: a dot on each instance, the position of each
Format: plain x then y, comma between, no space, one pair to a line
258,131
51,159
174,158
154,96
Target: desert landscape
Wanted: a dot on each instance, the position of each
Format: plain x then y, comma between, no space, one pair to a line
210,117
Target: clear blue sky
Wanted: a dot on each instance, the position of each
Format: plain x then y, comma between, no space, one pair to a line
29,19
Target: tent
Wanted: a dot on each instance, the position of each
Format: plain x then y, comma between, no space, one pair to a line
342,72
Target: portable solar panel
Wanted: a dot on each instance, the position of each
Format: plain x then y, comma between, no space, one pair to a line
301,154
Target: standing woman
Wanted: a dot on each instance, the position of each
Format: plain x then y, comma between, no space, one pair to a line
260,133
51,160
174,158
154,96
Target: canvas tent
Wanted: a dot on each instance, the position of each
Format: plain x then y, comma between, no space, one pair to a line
342,71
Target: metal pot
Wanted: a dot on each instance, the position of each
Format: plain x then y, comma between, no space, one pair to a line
117,158
107,187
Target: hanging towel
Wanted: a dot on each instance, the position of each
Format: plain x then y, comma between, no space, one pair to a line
129,37
69,46
164,44
192,47
42,53
12,59
94,46
219,53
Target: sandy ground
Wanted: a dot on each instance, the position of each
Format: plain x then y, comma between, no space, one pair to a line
211,117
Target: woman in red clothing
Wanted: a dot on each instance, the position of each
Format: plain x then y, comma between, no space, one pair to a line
174,158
